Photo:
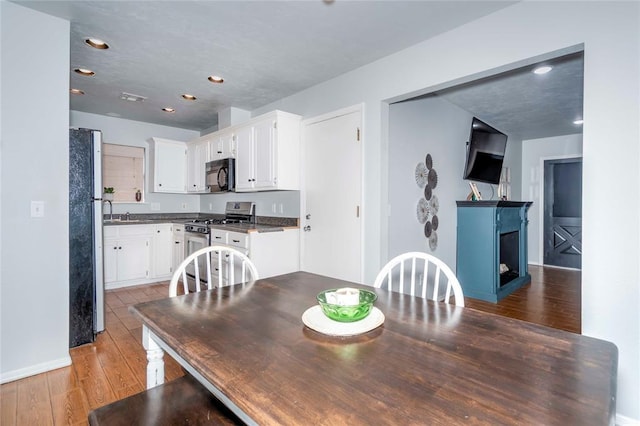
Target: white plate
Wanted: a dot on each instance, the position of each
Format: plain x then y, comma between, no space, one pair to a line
316,320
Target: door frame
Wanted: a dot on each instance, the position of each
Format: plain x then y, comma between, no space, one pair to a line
358,108
541,204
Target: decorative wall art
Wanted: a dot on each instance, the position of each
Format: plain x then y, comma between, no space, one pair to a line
427,208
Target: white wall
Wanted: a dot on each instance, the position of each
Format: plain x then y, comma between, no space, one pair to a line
136,133
435,126
534,152
34,278
525,33
268,203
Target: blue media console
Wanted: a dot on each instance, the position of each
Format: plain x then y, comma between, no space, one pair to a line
491,258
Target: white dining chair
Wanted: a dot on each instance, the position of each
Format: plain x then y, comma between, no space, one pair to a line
423,274
217,266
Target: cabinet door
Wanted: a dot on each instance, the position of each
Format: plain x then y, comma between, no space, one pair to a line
162,250
244,159
110,260
177,246
133,258
264,154
221,146
197,154
169,166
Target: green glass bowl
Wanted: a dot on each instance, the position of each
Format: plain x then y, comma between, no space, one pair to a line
347,313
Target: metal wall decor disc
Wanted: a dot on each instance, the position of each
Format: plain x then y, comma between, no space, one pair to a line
422,210
435,222
433,241
427,229
427,192
434,205
421,175
428,161
432,178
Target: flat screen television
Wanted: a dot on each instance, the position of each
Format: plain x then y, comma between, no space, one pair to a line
485,153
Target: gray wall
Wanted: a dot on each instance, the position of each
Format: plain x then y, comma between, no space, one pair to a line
611,134
34,266
435,126
534,152
136,133
610,148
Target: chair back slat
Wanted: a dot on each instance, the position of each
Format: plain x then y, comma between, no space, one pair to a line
227,259
430,271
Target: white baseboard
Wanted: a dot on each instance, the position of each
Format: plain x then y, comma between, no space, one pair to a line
626,421
32,370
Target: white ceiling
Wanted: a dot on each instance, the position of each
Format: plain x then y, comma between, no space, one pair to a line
267,50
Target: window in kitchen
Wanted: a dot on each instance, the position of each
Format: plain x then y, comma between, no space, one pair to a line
123,169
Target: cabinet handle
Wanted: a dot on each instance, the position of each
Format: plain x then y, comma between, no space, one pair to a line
236,241
218,238
119,248
159,184
219,152
115,248
177,242
158,231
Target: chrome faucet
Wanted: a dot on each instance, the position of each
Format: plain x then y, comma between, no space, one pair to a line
127,216
110,208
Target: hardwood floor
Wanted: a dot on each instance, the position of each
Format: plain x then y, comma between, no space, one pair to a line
111,368
553,299
114,366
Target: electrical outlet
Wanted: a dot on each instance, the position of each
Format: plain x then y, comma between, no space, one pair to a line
273,207
281,208
37,209
210,206
184,206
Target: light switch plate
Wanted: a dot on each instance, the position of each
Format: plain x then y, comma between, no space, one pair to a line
37,208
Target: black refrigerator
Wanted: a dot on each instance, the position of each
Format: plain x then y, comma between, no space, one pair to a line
86,279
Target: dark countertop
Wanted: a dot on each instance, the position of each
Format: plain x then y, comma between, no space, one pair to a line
264,223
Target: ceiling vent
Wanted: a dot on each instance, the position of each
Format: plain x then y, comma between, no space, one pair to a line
131,97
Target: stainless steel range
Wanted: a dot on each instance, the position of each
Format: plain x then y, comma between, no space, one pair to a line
198,235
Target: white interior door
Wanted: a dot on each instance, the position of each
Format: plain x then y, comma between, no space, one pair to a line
332,196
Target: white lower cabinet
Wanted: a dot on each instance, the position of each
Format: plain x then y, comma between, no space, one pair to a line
273,253
177,246
162,250
137,254
127,254
141,254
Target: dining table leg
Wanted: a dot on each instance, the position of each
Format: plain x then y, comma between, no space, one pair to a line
155,363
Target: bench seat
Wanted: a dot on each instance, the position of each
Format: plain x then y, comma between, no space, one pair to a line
179,402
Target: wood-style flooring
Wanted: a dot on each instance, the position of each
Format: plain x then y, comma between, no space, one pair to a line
553,299
114,366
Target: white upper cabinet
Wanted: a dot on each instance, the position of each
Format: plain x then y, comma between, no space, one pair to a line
244,159
197,157
221,145
168,163
268,153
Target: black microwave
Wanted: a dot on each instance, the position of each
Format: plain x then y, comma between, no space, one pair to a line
220,175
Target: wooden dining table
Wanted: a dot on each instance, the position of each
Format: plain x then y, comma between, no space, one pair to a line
428,363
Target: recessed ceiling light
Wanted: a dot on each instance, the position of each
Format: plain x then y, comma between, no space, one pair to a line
189,97
76,92
96,43
578,121
542,70
167,109
215,79
84,71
